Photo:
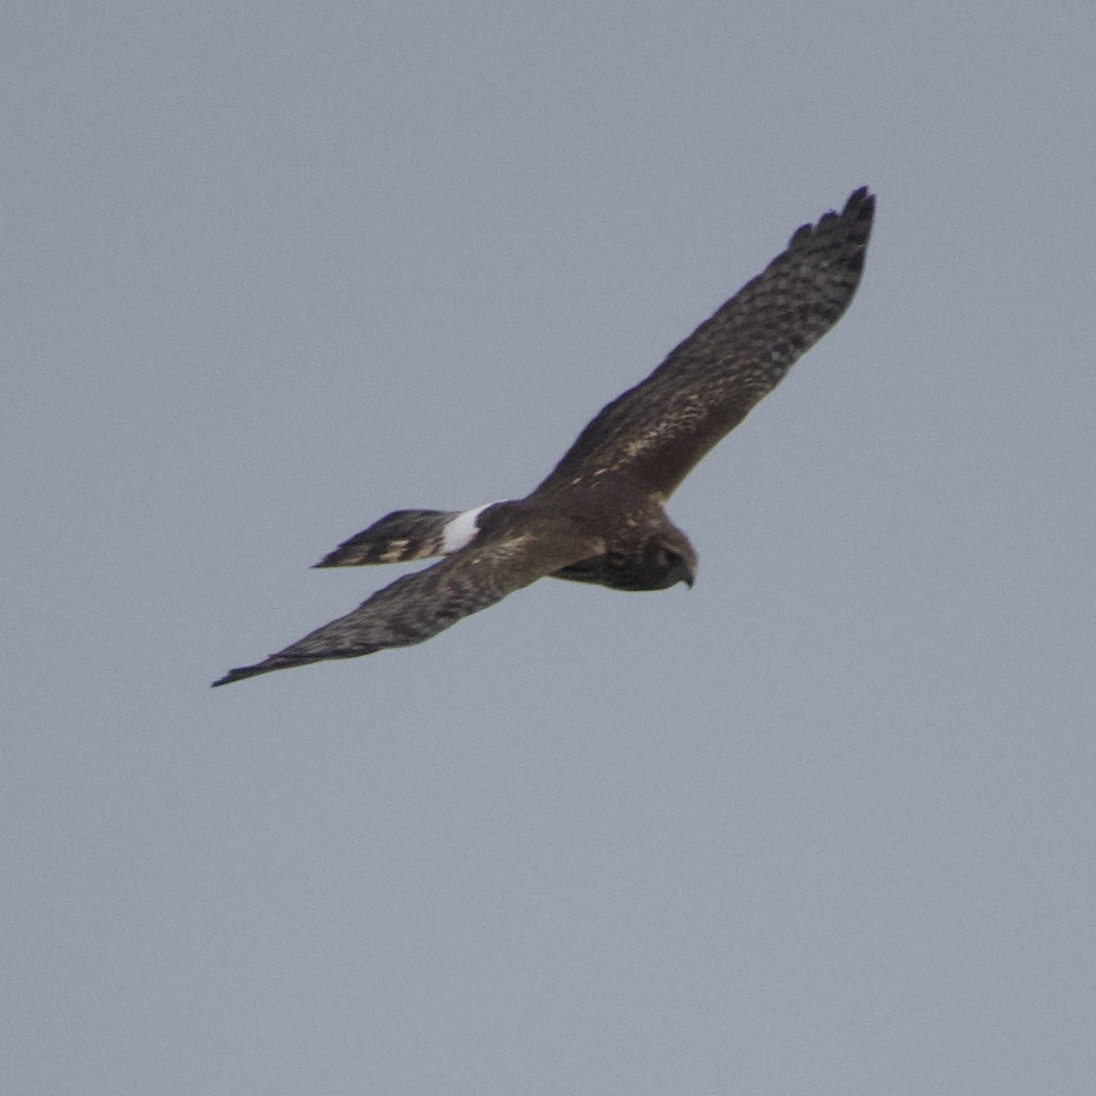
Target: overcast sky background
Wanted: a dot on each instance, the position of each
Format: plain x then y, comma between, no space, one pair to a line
824,824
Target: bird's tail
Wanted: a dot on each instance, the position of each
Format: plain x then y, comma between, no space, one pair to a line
401,535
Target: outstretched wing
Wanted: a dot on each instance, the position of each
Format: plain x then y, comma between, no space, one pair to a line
656,432
421,605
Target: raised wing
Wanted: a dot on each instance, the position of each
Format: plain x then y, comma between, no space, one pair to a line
418,606
656,432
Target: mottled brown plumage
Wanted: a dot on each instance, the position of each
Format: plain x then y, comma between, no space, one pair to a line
598,517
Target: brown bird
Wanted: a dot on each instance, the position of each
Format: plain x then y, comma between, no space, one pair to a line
599,515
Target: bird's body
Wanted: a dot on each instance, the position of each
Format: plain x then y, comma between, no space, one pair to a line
598,516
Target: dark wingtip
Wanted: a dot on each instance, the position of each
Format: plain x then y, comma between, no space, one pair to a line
240,673
857,196
860,201
280,661
860,205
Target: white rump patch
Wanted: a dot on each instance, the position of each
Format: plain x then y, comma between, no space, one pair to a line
462,530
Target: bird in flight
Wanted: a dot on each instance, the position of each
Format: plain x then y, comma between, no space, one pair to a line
599,515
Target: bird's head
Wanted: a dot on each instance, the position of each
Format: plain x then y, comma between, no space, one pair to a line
668,558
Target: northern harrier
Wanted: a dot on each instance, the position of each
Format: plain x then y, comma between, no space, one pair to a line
599,516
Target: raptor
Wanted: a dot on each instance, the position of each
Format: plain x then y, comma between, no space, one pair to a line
599,515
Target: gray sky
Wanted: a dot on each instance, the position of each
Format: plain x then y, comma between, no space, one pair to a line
824,824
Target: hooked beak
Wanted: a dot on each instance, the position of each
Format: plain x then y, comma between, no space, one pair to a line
684,573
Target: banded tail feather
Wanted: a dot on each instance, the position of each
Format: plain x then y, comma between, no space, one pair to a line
405,535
